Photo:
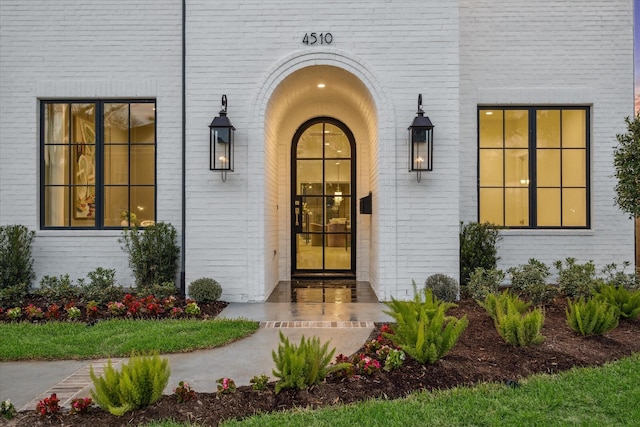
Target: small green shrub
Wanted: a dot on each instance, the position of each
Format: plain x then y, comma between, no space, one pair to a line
102,287
153,253
205,290
617,277
627,302
16,263
139,383
192,309
484,282
514,323
14,295
530,281
592,316
7,409
444,287
422,330
303,365
577,280
395,359
259,382
59,288
158,290
477,248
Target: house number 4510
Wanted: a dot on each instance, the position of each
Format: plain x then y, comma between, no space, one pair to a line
317,38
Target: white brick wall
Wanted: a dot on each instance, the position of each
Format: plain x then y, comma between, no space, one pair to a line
457,54
376,42
73,49
551,53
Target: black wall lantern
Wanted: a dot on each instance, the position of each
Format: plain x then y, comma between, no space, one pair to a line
420,142
221,142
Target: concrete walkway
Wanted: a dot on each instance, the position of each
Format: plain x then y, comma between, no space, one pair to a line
346,326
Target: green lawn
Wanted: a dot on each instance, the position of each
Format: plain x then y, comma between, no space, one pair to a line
115,338
606,396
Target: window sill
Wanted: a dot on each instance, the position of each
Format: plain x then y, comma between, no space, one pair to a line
547,232
79,233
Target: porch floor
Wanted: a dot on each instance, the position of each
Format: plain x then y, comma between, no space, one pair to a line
323,291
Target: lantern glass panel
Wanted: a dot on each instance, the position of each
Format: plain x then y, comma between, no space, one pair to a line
221,146
419,135
420,149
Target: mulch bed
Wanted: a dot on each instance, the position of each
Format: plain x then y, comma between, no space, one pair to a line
479,356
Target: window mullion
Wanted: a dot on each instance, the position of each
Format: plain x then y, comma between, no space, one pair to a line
533,171
99,190
70,159
129,208
504,169
561,173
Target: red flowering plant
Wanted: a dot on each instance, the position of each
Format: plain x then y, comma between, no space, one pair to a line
226,386
116,308
349,371
368,365
384,337
176,312
81,405
150,306
49,406
128,299
132,305
33,312
92,309
169,302
386,329
184,392
53,312
153,309
372,346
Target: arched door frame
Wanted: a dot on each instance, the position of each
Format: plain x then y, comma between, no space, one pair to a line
295,272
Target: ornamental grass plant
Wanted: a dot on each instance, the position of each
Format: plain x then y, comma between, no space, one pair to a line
513,322
303,365
422,330
627,302
592,316
139,383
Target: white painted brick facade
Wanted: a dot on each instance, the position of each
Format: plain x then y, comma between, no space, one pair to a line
457,54
551,53
74,49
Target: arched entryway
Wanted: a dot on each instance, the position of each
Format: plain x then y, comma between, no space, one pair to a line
323,206
303,86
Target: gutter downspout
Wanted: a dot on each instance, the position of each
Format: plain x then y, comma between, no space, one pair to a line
184,154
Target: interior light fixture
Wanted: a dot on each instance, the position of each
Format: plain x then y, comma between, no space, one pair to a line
321,85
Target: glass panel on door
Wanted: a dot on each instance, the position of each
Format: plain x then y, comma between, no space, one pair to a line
322,199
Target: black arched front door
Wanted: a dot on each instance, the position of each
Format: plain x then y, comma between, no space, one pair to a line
323,165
